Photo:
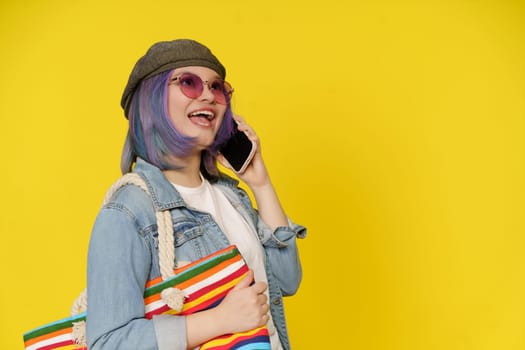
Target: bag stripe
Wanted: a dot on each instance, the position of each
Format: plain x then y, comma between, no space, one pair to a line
264,345
55,326
258,337
261,342
52,343
213,296
206,287
66,345
193,270
48,336
214,274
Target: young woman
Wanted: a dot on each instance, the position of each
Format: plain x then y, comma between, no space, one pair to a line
179,112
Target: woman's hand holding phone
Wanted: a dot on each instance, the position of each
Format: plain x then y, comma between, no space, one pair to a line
242,154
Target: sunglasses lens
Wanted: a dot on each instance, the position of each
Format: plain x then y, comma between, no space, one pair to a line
217,87
190,85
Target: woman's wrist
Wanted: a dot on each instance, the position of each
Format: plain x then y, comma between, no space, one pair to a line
269,206
261,186
204,325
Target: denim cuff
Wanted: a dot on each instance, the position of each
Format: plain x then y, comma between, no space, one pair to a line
170,331
279,237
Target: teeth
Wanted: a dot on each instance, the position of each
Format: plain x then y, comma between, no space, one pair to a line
207,114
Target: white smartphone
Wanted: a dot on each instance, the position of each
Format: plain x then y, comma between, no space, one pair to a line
238,150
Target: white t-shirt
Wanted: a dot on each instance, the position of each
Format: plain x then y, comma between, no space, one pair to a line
210,199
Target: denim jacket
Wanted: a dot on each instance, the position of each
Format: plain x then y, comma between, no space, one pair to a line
123,256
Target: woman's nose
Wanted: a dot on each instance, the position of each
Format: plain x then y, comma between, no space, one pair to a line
207,94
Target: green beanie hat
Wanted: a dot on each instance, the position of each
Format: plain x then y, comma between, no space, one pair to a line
168,55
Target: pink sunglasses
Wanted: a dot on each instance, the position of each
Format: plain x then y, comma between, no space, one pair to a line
192,86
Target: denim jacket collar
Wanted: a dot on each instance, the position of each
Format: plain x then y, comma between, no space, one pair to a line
163,193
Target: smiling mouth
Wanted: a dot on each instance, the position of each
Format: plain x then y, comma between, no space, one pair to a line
202,118
209,116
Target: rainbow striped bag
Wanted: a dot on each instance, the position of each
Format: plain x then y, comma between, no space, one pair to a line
205,283
195,287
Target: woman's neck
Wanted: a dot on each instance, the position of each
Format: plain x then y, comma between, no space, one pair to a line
188,175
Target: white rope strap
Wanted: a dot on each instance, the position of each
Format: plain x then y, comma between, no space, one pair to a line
129,178
173,297
166,243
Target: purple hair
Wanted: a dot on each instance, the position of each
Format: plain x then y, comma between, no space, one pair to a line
153,137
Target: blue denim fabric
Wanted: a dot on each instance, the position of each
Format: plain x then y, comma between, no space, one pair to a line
123,256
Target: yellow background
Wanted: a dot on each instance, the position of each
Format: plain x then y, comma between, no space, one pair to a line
394,130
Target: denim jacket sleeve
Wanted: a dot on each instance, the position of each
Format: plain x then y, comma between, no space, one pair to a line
119,265
282,254
280,246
